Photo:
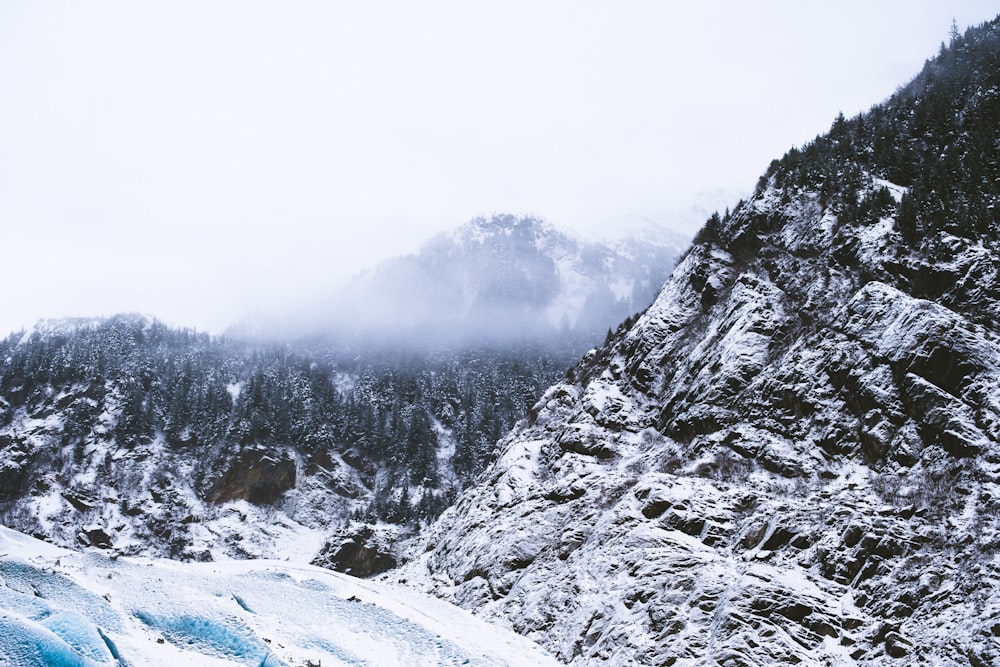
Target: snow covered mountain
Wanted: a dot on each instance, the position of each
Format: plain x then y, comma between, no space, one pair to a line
500,279
128,435
134,437
793,456
59,607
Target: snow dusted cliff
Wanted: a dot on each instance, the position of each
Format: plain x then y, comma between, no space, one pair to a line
776,477
793,456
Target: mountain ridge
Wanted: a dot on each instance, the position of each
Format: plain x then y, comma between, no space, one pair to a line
793,455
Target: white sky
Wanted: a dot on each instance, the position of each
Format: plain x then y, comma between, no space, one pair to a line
199,160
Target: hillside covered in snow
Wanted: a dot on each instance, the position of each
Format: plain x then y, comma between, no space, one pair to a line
127,435
793,455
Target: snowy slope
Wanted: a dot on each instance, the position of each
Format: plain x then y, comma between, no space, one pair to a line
793,456
59,607
712,488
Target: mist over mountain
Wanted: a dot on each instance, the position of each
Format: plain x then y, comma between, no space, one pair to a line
122,433
498,280
126,437
793,455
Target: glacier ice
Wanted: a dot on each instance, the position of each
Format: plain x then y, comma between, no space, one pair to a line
59,608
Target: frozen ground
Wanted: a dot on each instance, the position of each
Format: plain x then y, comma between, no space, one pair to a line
60,608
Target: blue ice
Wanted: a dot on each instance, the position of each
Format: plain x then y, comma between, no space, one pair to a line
226,637
26,643
36,628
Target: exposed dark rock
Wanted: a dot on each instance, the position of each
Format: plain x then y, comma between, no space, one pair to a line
361,552
81,499
897,646
656,508
94,537
586,444
256,476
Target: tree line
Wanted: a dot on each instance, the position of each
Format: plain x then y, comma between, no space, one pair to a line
418,426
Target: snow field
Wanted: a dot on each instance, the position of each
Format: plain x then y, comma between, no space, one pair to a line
61,608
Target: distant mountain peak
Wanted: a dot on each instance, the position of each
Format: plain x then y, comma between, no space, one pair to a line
507,229
507,222
497,279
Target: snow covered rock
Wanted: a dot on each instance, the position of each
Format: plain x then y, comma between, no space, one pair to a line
362,550
793,455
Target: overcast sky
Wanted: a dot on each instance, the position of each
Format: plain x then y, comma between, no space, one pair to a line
200,160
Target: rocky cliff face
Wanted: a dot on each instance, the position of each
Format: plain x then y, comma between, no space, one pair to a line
793,456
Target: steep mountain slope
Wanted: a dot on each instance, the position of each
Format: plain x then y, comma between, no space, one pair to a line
793,456
128,435
498,279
